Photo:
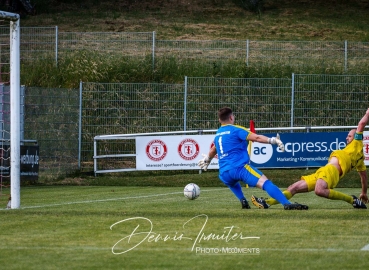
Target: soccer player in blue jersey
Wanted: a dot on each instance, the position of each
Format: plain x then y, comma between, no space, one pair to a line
326,178
231,143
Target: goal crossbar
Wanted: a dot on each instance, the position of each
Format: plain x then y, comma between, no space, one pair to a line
9,16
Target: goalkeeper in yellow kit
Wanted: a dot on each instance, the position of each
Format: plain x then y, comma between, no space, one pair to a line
326,178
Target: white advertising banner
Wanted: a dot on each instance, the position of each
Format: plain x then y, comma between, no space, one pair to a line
183,152
173,152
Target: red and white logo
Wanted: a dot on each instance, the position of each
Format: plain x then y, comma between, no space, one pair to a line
366,147
156,150
188,149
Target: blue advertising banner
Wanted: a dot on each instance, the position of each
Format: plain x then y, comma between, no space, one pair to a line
301,150
29,161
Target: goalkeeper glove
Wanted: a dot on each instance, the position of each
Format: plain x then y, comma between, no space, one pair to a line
205,162
276,140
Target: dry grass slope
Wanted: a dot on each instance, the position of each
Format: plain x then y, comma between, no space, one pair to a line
210,19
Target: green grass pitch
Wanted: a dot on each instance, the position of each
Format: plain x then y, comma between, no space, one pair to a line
76,227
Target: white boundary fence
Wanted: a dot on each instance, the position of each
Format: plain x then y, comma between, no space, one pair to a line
304,100
40,42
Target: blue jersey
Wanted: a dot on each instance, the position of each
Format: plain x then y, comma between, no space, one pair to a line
232,147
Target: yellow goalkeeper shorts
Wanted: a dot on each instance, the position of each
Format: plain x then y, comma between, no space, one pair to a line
328,173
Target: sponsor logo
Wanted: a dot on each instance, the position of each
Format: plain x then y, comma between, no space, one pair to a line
297,147
156,150
366,147
29,159
261,153
188,149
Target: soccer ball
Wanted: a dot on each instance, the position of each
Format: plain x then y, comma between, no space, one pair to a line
191,191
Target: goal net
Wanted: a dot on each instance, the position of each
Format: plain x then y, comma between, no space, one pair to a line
10,104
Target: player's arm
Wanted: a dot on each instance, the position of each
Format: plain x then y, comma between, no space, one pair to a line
264,139
364,186
205,162
212,152
363,122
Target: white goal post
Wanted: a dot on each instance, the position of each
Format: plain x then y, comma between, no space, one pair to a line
14,62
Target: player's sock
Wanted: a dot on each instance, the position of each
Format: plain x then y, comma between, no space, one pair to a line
272,201
237,190
274,192
336,195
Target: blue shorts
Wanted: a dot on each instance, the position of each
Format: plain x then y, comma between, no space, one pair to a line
247,174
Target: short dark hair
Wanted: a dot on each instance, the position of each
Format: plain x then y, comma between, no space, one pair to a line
224,113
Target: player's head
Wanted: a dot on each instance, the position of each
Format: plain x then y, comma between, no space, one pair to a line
350,136
225,115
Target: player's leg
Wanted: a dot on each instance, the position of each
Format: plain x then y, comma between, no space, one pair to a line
235,186
298,187
322,189
306,184
328,178
272,190
253,177
237,190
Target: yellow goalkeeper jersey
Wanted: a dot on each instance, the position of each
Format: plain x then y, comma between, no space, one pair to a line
352,156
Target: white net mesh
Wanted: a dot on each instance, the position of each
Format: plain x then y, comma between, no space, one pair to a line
4,104
10,102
